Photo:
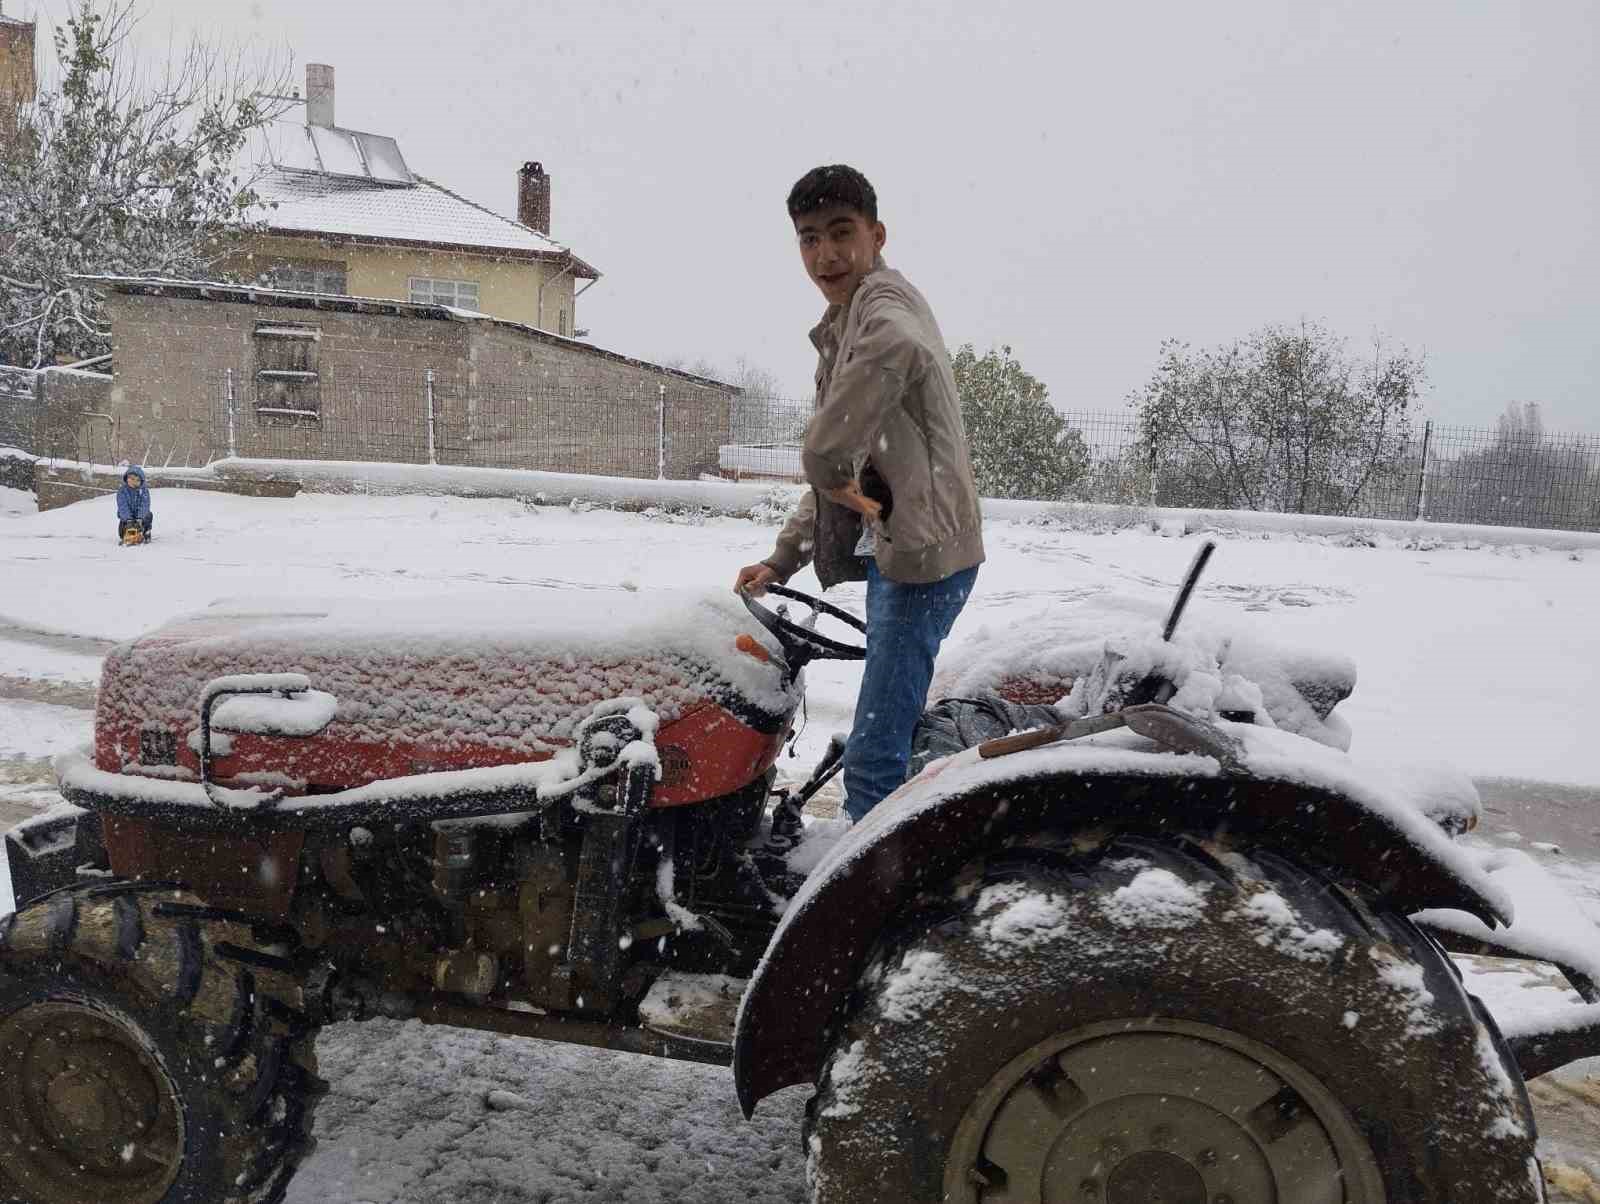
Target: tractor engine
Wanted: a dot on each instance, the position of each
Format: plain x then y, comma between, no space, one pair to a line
540,811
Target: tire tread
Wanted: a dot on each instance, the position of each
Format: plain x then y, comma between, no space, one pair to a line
256,1042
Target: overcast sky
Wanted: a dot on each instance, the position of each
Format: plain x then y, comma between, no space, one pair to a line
1078,180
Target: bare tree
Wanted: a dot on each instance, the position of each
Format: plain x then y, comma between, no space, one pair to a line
761,412
1525,478
116,171
1283,420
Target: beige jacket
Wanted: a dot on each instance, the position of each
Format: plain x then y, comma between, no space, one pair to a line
887,415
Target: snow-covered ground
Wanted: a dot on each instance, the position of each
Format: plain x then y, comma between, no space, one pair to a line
1484,659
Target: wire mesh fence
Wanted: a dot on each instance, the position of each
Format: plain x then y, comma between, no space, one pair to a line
678,426
1496,477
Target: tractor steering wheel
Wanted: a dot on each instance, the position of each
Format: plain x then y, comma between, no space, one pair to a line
801,645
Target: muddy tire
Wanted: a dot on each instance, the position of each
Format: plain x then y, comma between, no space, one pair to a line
150,1053
1167,1021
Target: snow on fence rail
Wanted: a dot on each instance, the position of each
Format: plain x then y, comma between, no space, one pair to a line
769,500
767,461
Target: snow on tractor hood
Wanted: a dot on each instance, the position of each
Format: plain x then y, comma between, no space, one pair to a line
517,670
1053,656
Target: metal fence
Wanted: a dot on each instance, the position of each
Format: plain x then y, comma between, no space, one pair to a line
1498,477
678,427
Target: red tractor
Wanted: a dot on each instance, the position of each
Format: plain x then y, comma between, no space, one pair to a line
1141,952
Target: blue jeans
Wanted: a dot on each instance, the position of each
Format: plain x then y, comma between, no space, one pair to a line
905,626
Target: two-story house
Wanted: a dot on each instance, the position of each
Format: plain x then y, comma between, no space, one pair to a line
344,213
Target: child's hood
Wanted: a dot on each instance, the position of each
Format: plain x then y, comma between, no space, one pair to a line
133,470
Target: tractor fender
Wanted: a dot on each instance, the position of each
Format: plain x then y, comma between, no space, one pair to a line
923,835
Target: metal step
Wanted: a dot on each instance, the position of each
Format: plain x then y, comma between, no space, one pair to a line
693,1007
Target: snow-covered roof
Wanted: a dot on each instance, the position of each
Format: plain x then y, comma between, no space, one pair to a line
421,214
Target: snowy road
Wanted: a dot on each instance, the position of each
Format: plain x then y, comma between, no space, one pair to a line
1467,656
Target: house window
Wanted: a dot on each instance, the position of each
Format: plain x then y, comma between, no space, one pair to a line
561,322
309,276
288,384
463,294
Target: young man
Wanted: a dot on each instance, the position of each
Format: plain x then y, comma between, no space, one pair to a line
892,500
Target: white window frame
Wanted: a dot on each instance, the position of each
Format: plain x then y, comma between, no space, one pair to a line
435,290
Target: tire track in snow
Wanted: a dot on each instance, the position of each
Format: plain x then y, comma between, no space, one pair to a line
79,696
55,641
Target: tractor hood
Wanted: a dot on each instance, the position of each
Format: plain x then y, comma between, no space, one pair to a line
451,681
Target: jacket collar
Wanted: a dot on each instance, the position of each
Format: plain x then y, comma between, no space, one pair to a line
835,316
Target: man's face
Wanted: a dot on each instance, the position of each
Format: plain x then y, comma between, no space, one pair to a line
838,246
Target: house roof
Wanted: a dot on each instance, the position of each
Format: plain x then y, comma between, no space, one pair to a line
424,214
250,294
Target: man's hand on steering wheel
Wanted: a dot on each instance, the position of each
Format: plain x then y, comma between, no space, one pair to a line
754,578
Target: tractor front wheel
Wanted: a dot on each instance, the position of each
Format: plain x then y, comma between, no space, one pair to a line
149,1054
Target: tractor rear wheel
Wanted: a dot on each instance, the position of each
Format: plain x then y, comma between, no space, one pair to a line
150,1053
1161,1020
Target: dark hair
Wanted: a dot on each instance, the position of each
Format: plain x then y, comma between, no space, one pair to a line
834,184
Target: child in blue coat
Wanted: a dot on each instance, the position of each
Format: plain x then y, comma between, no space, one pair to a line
133,504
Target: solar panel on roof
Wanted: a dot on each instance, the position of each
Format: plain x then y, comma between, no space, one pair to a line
289,146
333,151
337,150
384,161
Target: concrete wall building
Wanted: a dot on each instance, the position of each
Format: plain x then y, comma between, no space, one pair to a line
314,376
18,74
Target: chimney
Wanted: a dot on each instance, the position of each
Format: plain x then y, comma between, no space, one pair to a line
533,197
319,94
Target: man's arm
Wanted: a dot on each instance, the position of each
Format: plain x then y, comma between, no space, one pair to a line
796,542
882,359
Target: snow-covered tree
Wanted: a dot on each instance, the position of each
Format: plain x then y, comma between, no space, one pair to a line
116,171
1285,419
1022,446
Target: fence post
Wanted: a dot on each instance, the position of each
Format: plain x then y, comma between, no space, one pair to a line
233,449
1422,476
1152,500
433,451
661,432
38,415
